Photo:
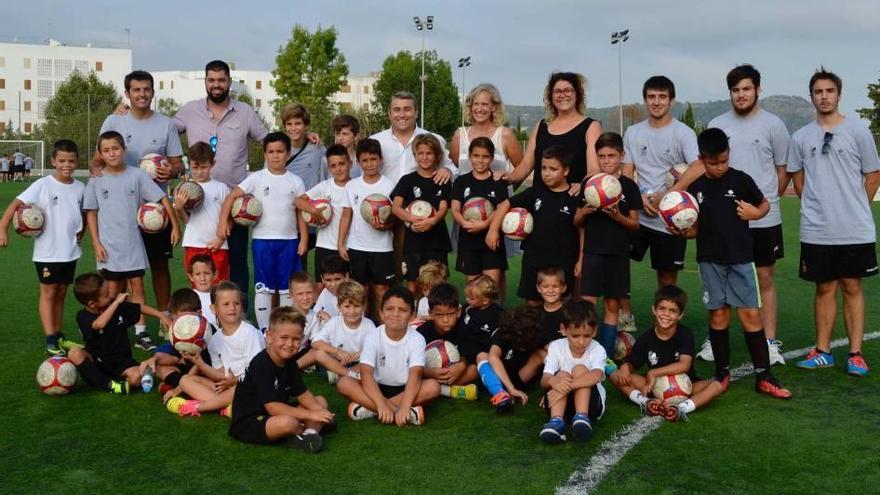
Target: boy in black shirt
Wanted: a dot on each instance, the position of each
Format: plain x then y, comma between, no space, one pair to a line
517,353
555,240
261,412
106,361
728,199
667,349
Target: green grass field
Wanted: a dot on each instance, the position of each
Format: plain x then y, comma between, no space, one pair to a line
92,442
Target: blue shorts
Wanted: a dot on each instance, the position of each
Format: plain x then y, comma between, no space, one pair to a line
275,260
729,285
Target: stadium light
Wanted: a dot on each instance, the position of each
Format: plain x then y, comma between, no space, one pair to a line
427,25
463,63
619,38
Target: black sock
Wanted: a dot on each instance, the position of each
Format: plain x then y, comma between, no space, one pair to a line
93,375
720,340
854,354
173,379
53,339
757,345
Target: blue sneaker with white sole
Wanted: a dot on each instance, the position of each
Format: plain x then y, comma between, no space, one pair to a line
553,431
816,360
581,429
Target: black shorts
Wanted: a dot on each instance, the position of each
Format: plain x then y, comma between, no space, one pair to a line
667,250
158,245
412,262
320,255
605,275
767,245
119,276
18,169
372,268
528,282
389,391
474,262
115,367
596,407
824,263
56,273
251,430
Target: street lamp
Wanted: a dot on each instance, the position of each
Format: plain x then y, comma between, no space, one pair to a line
619,38
424,27
463,63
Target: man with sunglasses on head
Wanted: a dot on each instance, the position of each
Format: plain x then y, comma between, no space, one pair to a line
836,171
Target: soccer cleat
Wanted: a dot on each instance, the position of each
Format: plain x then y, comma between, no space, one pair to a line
118,388
502,402
357,412
773,347
143,341
332,377
654,407
675,413
770,385
553,431
626,322
466,392
310,442
173,404
706,353
581,429
610,367
856,366
416,415
816,360
68,345
54,349
226,412
310,369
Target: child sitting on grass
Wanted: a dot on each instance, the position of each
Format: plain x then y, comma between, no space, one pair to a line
516,355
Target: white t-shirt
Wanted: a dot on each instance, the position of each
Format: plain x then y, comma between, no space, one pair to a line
62,208
207,312
336,333
362,236
391,360
234,352
202,226
559,358
313,326
398,159
423,308
327,302
328,234
277,193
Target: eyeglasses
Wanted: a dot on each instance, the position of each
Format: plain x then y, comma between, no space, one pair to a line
213,142
563,92
826,143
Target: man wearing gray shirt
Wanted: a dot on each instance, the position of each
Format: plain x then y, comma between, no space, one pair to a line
836,172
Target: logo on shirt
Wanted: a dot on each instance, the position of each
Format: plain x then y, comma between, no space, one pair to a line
131,192
700,197
485,328
467,191
537,204
652,358
417,192
439,192
467,318
491,194
730,194
565,210
644,150
357,198
266,191
54,200
509,355
275,385
382,361
120,320
676,355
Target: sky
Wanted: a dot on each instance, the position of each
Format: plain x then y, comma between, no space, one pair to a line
513,44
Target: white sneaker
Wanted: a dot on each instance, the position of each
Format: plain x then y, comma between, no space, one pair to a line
626,322
357,412
354,374
416,415
332,377
706,351
773,346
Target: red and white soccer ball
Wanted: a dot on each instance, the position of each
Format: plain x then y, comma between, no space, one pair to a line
673,389
28,220
602,190
326,210
195,195
56,376
421,209
517,224
477,209
246,210
152,218
679,209
150,164
675,174
376,209
441,354
188,333
623,345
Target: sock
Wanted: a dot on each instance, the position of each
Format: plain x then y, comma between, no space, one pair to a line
756,343
93,375
687,406
285,300
262,307
489,378
638,398
854,354
52,340
310,431
445,390
720,340
139,329
173,379
608,337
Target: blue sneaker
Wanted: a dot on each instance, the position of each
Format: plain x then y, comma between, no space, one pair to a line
816,360
610,367
581,429
857,366
553,431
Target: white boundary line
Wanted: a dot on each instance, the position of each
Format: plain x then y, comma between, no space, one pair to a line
589,476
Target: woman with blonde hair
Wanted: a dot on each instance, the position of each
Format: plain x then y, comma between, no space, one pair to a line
484,111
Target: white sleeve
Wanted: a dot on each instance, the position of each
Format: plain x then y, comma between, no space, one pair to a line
318,191
346,198
553,361
214,352
596,359
793,162
249,184
416,349
32,194
370,349
447,162
627,148
688,143
779,139
325,332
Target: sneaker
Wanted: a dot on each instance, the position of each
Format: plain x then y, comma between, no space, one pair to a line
553,431
119,388
67,344
816,360
466,392
357,412
54,349
626,322
581,429
706,353
416,415
332,377
188,408
226,412
354,373
143,341
856,366
675,413
502,402
311,442
610,367
770,385
655,407
310,369
173,404
773,347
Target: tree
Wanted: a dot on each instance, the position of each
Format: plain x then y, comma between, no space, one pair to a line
168,106
310,69
10,132
245,97
401,72
689,120
631,114
873,114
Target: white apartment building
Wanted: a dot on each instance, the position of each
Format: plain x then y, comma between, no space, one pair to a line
30,74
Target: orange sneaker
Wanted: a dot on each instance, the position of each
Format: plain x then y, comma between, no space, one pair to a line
770,385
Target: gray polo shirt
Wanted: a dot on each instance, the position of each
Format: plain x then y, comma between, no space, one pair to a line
308,164
155,134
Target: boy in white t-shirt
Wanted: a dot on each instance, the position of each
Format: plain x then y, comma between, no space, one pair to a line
56,250
200,236
391,364
573,372
334,271
280,237
338,344
201,272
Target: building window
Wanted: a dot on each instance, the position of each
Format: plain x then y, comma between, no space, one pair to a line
99,66
28,127
161,84
259,103
2,83
27,106
2,104
172,84
366,90
81,66
241,81
44,67
63,68
259,84
27,63
27,84
345,88
2,61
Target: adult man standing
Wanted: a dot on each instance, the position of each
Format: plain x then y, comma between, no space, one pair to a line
836,172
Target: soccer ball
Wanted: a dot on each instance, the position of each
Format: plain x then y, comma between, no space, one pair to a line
675,174
517,224
28,220
674,389
56,376
623,345
679,209
152,218
602,190
477,209
188,333
150,164
195,194
421,209
247,210
375,209
441,354
325,207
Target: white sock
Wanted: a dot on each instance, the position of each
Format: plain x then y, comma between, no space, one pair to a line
285,300
262,308
687,406
310,431
638,398
445,391
139,329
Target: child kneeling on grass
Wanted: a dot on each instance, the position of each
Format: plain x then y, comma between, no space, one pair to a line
261,411
516,354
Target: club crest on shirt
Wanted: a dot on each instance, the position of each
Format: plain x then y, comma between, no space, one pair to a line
537,204
265,190
491,194
730,194
439,192
417,192
105,194
676,355
700,197
509,355
652,358
275,385
54,200
467,191
382,361
565,210
467,317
